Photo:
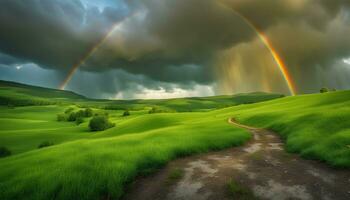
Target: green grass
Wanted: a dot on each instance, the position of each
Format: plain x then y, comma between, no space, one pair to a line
16,94
94,165
100,166
316,126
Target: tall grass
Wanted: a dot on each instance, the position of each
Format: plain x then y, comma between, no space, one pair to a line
100,167
316,126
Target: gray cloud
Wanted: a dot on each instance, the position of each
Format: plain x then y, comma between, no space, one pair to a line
175,41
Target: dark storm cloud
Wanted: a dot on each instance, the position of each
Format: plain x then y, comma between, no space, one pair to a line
308,33
9,60
52,33
172,41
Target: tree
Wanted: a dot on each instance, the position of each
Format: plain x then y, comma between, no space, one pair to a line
72,117
153,110
324,90
126,113
100,123
61,117
88,112
79,120
4,152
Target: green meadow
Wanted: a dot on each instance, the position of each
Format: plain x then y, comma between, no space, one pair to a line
99,165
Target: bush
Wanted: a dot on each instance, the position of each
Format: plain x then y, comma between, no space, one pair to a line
153,110
79,114
100,123
45,144
61,117
4,152
126,113
69,110
88,112
72,117
159,110
79,120
324,90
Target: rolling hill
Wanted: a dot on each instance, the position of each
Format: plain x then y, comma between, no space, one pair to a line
99,165
17,94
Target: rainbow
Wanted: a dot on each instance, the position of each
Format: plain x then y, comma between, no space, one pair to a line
279,61
89,53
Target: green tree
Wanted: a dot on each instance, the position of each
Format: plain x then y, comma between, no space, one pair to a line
100,123
4,152
126,113
88,112
79,120
324,90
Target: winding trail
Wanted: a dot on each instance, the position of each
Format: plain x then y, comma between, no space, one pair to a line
261,165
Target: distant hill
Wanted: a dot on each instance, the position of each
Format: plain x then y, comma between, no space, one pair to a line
17,94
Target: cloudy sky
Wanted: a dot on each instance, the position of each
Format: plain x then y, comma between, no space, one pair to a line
175,48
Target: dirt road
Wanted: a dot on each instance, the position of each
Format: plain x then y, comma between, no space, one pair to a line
261,165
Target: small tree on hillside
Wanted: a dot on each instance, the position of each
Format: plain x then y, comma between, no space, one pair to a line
126,113
4,152
100,123
153,110
79,120
72,117
88,112
324,90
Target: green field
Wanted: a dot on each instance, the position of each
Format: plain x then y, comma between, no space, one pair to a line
98,165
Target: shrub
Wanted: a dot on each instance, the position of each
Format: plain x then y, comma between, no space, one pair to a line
4,152
324,90
72,117
69,110
61,117
100,123
80,113
88,112
126,113
159,110
45,144
79,120
153,110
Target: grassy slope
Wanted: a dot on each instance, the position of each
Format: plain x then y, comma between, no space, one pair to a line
17,94
100,165
12,93
84,165
316,126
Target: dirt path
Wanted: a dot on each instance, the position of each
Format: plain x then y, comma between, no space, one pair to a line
261,165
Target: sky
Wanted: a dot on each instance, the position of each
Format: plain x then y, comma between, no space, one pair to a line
125,49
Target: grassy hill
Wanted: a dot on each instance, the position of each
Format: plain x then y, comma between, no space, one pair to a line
98,165
16,94
317,126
